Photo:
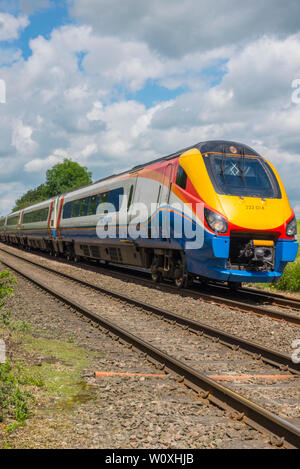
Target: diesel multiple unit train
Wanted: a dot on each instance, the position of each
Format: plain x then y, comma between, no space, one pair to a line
223,190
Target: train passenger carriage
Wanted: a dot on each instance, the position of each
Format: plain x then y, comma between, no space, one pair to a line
38,225
12,227
223,190
2,228
79,213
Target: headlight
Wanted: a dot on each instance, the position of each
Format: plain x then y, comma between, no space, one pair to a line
291,227
215,221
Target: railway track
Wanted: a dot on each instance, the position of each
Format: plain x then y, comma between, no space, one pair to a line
281,431
213,293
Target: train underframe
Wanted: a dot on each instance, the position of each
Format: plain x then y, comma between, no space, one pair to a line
222,259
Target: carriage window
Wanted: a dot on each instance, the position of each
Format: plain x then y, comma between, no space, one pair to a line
83,207
75,208
67,213
103,198
115,198
181,178
89,205
93,205
36,216
13,220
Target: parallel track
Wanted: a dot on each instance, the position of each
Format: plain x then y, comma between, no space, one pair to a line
221,294
283,432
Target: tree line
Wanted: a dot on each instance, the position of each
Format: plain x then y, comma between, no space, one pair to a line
63,177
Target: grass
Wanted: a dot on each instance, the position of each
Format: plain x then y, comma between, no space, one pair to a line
290,281
61,368
46,376
14,401
41,376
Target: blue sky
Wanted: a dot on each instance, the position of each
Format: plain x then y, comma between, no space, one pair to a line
112,84
42,22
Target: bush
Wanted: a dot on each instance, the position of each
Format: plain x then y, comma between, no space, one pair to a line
291,277
13,401
7,282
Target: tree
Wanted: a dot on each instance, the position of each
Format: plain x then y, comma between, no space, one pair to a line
66,176
63,177
33,196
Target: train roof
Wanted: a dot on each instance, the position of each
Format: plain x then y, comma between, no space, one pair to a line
39,204
218,146
209,146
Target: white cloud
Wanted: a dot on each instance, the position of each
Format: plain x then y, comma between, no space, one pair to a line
10,26
89,150
9,193
38,164
56,109
175,28
30,6
21,137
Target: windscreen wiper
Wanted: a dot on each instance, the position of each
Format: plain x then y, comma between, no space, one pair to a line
222,166
242,170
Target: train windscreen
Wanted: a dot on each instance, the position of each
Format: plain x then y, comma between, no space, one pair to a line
242,176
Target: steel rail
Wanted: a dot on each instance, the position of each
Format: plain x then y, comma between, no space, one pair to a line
281,432
221,300
272,298
267,355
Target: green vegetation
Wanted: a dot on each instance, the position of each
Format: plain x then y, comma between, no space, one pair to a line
13,401
48,372
61,178
37,370
65,177
7,282
60,369
32,197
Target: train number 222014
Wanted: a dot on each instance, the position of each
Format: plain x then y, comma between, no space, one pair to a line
254,207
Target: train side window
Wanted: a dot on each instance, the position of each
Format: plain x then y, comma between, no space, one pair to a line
83,207
181,178
36,216
75,208
115,198
93,205
103,198
130,198
67,213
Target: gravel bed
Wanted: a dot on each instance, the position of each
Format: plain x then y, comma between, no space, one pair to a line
264,330
125,412
200,353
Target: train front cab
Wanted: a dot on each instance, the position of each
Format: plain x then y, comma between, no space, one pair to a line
247,238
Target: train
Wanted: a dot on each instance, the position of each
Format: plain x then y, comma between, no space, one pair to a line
216,211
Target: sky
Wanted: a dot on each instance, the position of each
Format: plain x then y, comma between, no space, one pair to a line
113,83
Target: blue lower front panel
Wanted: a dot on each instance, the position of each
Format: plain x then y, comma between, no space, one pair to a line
212,259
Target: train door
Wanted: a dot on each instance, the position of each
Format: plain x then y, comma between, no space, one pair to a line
146,195
58,216
19,226
165,192
52,219
166,185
